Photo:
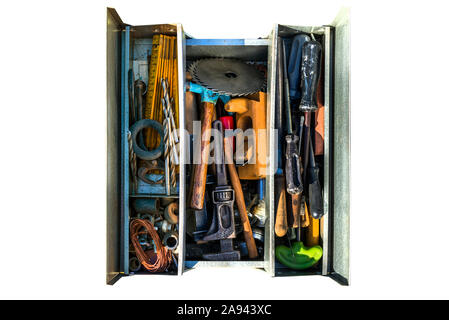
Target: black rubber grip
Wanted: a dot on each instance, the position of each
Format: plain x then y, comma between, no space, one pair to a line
292,165
310,74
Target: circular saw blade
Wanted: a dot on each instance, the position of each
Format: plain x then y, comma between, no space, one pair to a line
227,76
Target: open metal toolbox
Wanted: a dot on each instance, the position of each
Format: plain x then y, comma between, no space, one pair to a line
125,41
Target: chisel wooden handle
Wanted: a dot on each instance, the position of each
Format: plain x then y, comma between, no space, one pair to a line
281,225
239,199
200,170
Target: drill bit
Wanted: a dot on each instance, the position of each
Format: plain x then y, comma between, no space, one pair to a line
132,162
170,133
168,103
166,158
174,160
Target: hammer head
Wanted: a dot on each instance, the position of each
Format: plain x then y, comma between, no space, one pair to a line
207,95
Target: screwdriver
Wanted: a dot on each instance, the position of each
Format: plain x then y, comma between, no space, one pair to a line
310,74
292,160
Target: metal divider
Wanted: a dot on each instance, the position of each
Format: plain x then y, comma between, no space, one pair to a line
269,191
181,56
125,150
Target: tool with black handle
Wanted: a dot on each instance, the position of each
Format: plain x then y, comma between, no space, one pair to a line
292,160
223,226
310,75
299,197
315,192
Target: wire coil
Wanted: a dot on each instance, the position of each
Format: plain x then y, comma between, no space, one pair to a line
163,255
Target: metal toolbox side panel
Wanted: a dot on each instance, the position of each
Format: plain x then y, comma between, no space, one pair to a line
181,55
272,138
113,80
125,149
341,204
327,197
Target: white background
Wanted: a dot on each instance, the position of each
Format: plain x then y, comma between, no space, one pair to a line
53,148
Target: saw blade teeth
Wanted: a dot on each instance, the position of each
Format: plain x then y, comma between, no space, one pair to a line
247,77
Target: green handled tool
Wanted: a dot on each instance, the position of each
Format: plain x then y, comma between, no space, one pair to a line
298,257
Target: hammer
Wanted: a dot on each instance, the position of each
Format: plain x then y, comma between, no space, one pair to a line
208,100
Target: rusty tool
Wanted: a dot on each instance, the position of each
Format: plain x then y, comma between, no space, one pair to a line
139,92
223,225
146,167
292,159
208,101
247,231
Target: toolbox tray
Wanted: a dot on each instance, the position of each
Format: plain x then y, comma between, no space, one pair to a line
124,40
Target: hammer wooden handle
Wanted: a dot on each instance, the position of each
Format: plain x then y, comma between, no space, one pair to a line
247,231
281,225
200,170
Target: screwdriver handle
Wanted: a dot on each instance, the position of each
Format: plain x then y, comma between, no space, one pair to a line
292,165
294,62
310,74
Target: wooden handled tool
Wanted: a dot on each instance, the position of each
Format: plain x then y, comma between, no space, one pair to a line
247,231
200,170
313,233
296,208
281,225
